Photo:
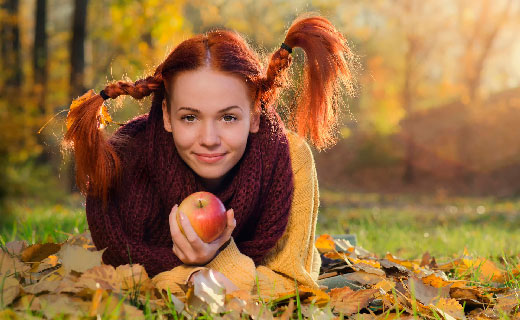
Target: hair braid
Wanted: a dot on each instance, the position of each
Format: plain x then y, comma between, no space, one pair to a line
138,90
97,164
276,76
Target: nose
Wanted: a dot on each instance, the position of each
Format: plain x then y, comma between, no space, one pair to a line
210,135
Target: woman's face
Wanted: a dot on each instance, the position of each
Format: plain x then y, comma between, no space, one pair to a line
210,121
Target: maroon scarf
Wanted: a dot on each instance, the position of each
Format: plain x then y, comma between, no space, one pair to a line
155,178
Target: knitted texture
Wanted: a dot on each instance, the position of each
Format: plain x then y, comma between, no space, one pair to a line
294,257
259,188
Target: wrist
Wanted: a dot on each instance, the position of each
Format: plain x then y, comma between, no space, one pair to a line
224,245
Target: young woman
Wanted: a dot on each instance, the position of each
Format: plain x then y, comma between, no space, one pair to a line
213,126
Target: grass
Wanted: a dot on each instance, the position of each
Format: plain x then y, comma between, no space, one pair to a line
409,225
404,225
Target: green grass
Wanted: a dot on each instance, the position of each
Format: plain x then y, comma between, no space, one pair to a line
408,225
404,225
38,222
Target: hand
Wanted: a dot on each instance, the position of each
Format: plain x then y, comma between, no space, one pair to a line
191,249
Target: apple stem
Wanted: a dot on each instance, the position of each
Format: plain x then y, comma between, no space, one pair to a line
200,203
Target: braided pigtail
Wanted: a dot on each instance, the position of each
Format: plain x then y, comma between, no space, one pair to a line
327,60
97,164
276,75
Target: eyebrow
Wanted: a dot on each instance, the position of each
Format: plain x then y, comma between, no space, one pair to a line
196,110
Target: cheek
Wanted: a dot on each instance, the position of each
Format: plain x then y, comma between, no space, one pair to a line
184,139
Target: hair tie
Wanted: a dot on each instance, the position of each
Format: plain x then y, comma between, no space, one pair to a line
103,95
286,47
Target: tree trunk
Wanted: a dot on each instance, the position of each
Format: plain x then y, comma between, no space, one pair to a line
40,72
10,83
10,45
77,63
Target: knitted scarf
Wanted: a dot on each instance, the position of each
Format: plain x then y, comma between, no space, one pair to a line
259,188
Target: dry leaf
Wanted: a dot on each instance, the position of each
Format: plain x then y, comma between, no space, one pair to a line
410,264
426,294
348,301
325,243
55,304
27,302
103,276
385,285
10,289
10,265
39,251
207,288
286,315
134,277
16,247
451,307
79,259
364,277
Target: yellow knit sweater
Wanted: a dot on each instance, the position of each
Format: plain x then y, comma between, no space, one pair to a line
294,256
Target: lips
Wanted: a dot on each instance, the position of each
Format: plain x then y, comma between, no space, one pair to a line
210,158
210,155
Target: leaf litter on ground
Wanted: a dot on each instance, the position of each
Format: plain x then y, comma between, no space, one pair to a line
70,278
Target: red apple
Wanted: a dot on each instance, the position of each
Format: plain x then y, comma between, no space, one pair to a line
206,214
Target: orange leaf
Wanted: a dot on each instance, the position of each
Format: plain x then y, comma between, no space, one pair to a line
325,243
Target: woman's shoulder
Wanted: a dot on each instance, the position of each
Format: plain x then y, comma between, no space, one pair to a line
129,138
133,127
300,151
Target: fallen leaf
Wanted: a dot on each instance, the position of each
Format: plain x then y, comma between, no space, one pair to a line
287,314
451,307
39,251
385,285
348,301
424,293
27,302
364,277
134,277
10,289
55,304
410,264
103,276
79,259
16,247
207,288
10,265
325,243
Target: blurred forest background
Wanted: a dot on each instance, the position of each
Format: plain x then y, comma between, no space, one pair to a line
437,109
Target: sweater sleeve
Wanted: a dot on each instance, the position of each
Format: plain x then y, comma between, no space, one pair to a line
122,232
294,256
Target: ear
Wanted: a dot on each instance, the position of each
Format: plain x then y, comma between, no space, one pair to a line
254,124
166,117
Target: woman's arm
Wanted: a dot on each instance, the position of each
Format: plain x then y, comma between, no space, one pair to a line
294,255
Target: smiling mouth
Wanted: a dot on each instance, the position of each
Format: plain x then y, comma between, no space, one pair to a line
211,158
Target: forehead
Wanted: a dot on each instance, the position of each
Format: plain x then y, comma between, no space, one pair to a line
209,90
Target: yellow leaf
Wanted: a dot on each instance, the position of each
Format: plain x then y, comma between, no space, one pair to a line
410,264
325,243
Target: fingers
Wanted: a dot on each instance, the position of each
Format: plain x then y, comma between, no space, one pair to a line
179,253
178,238
231,224
193,238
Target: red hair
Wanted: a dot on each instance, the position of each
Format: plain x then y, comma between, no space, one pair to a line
327,60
